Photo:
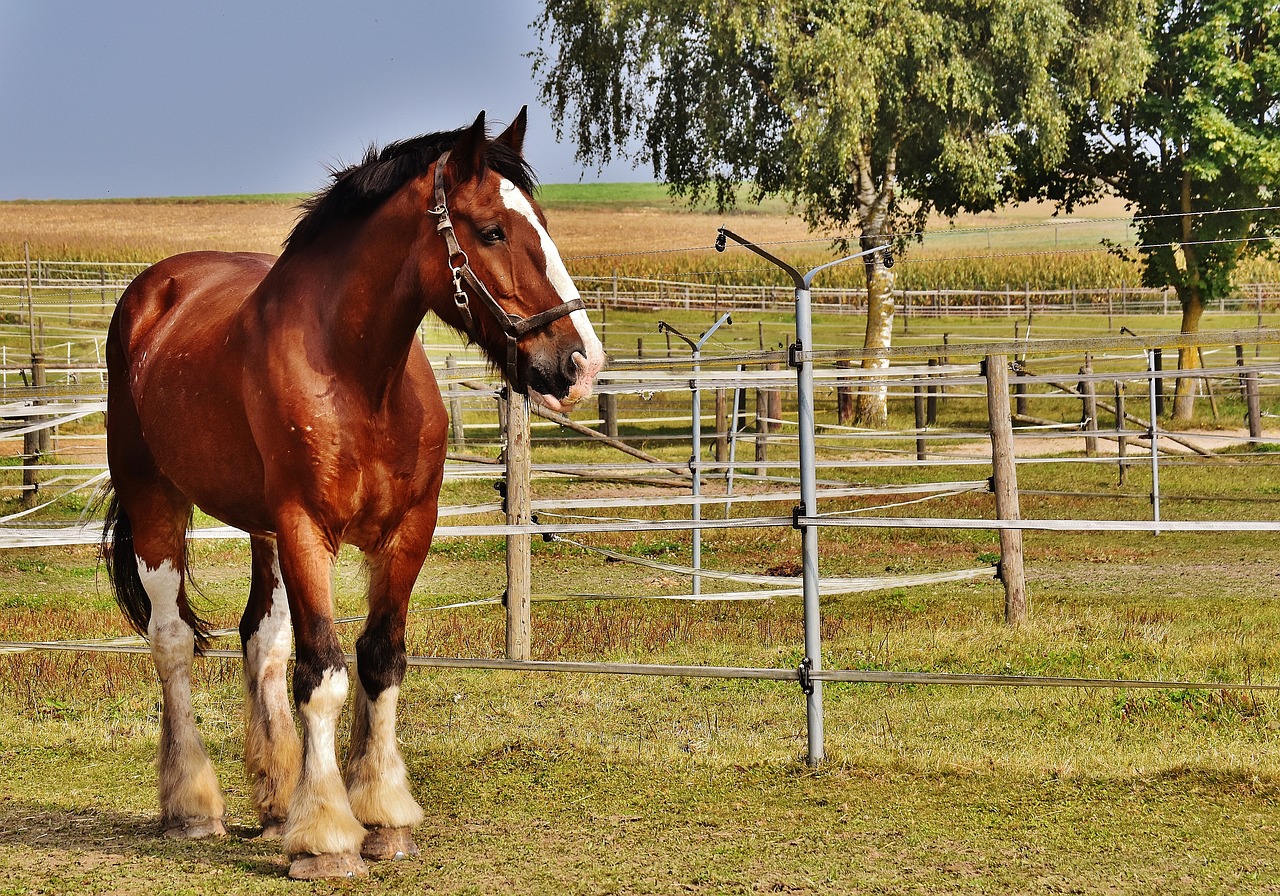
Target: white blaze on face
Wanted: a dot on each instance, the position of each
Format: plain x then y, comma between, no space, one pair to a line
593,359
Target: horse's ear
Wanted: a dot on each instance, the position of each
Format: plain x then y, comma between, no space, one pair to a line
468,152
513,136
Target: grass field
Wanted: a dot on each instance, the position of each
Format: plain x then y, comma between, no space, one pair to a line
551,784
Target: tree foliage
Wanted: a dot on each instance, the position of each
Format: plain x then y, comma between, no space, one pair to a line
854,110
865,114
1197,151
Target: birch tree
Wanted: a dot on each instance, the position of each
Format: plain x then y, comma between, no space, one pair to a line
867,115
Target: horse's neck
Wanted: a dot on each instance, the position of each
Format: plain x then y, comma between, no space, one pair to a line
356,295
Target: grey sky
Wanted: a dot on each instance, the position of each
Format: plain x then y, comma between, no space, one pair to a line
178,98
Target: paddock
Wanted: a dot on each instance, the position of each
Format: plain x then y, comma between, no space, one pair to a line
1150,693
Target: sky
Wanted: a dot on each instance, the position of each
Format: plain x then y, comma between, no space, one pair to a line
146,98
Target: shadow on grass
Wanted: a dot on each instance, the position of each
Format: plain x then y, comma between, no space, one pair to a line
118,838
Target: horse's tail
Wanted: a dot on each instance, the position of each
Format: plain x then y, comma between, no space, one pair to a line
122,565
122,572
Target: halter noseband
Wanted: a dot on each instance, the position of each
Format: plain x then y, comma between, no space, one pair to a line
512,324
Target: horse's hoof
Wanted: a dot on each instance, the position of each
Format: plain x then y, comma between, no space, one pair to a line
389,844
328,866
272,829
195,828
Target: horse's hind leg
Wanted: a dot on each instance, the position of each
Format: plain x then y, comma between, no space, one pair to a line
191,803
272,751
377,783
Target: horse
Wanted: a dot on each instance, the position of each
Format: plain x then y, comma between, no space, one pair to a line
290,397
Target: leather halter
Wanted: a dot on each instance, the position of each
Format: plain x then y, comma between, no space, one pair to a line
513,325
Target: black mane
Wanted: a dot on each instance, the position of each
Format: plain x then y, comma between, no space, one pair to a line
361,188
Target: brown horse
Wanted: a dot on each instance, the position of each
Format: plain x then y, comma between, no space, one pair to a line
291,398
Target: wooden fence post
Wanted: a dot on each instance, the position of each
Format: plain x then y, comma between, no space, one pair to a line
518,502
1158,364
1255,406
1020,389
608,413
919,400
1122,441
455,405
1089,401
722,425
775,402
37,443
1004,483
762,430
931,402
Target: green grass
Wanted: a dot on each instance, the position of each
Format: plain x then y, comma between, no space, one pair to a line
563,784
550,784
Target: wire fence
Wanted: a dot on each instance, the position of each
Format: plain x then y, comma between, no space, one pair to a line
646,416
83,291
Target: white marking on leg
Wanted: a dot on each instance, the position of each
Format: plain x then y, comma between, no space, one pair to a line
188,787
377,782
166,626
269,645
558,274
320,817
273,753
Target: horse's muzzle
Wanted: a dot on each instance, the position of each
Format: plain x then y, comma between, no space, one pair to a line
578,373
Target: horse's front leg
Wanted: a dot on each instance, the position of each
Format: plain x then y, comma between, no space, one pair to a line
377,783
321,837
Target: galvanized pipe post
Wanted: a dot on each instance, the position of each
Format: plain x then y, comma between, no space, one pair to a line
695,467
809,534
695,460
1155,386
802,361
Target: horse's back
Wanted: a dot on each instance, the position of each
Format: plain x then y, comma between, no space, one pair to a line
206,286
175,364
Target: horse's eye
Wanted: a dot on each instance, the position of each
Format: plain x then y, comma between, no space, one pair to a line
493,234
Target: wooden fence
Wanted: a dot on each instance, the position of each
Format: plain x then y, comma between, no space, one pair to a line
55,282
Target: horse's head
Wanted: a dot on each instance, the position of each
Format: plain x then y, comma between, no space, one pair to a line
512,293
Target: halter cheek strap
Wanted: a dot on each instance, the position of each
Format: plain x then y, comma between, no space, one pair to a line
512,325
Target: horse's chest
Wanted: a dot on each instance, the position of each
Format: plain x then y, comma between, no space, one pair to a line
378,475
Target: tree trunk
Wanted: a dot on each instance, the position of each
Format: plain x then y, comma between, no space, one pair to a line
1188,358
845,396
873,395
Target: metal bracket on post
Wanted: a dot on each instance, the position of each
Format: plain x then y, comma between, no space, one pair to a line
793,355
805,673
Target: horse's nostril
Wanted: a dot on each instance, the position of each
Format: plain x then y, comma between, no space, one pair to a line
571,364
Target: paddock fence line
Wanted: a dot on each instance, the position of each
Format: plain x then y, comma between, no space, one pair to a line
961,379
661,670
86,290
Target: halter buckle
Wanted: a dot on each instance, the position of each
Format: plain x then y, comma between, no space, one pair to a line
459,294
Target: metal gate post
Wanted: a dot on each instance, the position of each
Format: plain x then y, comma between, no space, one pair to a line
802,361
1155,386
809,534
